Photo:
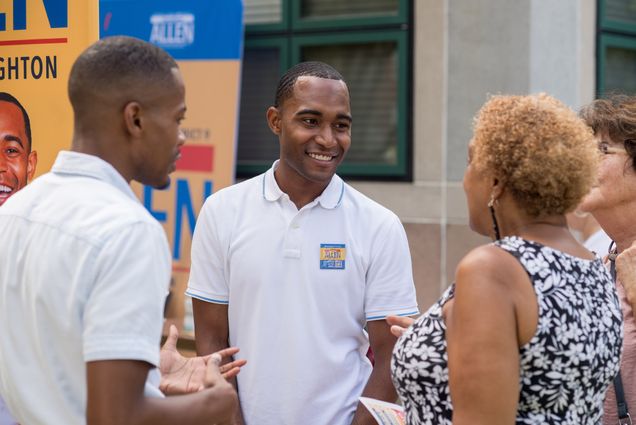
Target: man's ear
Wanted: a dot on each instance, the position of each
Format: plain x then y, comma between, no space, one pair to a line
273,119
133,118
32,162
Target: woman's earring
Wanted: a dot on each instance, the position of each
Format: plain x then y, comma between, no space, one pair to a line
495,226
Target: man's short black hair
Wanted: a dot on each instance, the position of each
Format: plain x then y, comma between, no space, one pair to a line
303,69
6,97
116,68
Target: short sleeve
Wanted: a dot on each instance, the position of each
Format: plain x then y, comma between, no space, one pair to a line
207,280
123,315
389,286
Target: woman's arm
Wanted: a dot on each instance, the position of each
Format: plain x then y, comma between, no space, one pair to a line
482,337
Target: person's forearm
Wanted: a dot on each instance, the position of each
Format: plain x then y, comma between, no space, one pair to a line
208,345
212,405
212,334
238,417
626,273
379,387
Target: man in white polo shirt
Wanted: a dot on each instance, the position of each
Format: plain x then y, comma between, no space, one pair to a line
292,265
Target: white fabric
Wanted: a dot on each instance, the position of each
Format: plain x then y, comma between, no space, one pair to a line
5,416
84,271
299,326
598,242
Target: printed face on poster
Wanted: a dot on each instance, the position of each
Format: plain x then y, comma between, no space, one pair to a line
39,41
206,40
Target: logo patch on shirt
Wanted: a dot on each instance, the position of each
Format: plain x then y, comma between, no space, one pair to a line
332,256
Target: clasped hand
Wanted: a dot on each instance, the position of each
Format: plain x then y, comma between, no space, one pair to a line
180,375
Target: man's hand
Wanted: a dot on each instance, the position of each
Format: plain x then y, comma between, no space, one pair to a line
626,273
399,324
181,375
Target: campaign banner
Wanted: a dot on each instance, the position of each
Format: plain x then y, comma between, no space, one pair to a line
206,39
39,41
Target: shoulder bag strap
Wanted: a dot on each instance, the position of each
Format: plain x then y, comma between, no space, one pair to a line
623,413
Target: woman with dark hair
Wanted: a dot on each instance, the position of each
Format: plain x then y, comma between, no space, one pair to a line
530,332
612,202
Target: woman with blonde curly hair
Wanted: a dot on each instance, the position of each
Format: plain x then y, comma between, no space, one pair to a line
530,332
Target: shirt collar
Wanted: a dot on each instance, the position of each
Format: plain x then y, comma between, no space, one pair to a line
330,198
81,164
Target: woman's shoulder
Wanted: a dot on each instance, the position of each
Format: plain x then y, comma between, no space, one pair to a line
489,265
485,258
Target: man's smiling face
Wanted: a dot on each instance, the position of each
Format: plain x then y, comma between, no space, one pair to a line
17,162
314,128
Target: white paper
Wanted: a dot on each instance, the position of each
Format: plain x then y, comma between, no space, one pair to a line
385,413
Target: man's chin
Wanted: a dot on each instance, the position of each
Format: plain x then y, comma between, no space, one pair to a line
4,196
589,202
162,186
317,174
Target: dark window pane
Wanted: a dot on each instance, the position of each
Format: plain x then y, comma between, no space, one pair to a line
370,70
348,8
620,70
621,10
260,76
262,11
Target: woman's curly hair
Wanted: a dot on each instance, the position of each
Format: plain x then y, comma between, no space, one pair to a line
544,154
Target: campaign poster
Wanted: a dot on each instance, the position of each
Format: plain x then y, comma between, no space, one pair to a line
39,41
205,37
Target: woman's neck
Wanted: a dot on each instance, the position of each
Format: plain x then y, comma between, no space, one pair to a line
534,227
619,225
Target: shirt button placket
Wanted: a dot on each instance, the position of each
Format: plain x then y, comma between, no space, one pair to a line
292,237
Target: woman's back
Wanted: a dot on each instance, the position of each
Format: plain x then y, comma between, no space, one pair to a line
564,369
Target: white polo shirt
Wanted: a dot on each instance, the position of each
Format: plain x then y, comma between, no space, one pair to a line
84,271
300,285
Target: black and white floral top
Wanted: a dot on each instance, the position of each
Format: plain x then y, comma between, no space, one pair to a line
565,368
